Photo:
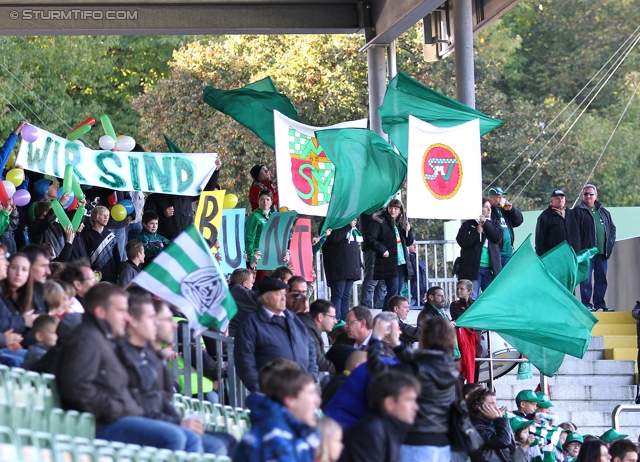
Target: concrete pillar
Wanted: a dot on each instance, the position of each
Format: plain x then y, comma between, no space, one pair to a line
377,85
463,36
392,68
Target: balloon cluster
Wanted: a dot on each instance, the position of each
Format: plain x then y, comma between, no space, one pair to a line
14,178
109,140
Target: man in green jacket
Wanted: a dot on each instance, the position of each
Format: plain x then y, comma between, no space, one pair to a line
253,228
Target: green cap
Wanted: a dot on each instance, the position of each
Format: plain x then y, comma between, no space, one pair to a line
574,437
496,190
543,400
339,324
518,423
611,435
528,396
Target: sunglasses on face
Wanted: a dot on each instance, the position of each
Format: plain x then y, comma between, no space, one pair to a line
588,194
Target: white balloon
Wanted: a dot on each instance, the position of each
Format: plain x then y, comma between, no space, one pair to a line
9,187
106,142
79,142
125,144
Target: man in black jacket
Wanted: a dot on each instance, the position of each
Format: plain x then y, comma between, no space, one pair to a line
379,436
434,306
508,216
553,223
150,381
270,333
590,225
320,318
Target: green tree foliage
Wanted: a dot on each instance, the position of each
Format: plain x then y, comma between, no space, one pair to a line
79,77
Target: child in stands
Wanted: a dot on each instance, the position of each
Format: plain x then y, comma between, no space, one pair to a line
152,242
44,331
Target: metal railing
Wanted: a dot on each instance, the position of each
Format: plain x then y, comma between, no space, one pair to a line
230,390
438,256
619,409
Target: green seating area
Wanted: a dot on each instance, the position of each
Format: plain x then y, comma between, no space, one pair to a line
33,427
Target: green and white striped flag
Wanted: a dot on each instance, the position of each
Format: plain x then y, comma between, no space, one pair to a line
187,275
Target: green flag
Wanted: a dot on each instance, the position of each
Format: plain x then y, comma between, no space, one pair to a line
534,311
368,173
187,275
252,106
171,145
406,96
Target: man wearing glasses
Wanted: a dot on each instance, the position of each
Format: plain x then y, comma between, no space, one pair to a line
590,225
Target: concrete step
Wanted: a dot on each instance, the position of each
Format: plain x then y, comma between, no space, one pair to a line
621,341
617,317
597,342
577,380
613,329
617,393
580,405
621,353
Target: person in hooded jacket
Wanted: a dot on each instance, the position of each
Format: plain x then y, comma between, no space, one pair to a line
283,419
389,234
434,367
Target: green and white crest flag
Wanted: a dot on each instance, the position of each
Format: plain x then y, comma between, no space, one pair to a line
187,275
305,173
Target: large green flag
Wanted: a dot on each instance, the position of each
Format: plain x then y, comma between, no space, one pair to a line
535,312
368,173
252,106
406,96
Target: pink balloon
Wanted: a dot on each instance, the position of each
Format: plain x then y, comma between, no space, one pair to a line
29,133
21,197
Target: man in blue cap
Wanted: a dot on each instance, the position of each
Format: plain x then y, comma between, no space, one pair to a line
553,224
508,216
270,333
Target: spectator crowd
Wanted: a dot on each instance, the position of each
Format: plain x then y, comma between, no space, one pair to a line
327,380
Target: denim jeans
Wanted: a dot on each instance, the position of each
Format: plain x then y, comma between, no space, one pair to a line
373,292
596,283
505,260
149,432
133,231
485,276
341,295
425,453
394,285
121,239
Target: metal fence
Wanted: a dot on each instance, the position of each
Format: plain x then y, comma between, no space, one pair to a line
437,255
230,390
619,409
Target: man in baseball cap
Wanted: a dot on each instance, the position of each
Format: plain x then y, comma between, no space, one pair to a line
553,224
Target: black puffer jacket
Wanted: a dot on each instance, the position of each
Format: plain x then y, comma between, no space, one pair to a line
498,442
552,229
470,242
381,237
582,228
377,437
150,382
437,373
341,258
